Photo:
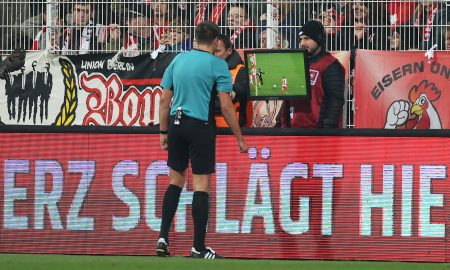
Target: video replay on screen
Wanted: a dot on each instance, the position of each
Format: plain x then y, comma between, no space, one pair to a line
277,74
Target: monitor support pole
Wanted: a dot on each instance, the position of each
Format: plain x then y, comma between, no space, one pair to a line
287,113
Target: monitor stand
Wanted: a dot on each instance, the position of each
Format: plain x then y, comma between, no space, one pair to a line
287,113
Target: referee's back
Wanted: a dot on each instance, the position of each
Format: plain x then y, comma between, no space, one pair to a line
194,77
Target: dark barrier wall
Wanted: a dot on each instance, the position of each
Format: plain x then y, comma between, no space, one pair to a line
347,197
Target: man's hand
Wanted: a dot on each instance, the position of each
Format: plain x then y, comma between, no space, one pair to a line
359,30
163,141
114,31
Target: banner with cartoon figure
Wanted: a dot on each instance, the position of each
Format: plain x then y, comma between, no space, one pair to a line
95,89
402,90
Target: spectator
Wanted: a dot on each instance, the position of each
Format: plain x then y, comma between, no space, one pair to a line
290,17
138,34
364,27
176,37
35,31
440,30
82,36
11,15
239,27
204,10
279,44
400,12
162,14
331,21
428,18
400,38
241,89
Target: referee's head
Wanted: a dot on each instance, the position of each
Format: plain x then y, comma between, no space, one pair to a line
206,33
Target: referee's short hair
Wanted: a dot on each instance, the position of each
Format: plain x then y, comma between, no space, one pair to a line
206,32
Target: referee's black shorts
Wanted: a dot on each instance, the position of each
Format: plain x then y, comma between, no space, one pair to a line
193,139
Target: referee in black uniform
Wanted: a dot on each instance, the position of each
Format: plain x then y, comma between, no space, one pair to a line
188,130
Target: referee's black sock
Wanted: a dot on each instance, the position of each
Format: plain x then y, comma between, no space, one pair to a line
200,211
170,205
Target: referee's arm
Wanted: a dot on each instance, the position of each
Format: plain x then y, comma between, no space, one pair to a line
164,109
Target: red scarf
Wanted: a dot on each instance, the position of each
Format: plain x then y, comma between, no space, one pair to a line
236,34
38,38
426,32
215,16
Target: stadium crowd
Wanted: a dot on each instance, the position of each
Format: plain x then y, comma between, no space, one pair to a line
81,26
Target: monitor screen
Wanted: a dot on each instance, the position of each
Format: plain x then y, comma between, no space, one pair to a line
277,74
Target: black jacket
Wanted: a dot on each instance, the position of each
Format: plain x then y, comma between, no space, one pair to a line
333,82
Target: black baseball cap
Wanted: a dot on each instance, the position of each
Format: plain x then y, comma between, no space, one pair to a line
314,30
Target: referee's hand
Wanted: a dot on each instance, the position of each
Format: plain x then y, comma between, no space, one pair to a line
243,146
163,141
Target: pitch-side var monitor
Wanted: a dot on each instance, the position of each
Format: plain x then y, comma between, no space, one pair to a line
277,74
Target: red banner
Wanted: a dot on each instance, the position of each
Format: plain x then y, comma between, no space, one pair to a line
402,90
384,198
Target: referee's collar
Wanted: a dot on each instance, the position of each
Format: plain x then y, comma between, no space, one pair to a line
202,51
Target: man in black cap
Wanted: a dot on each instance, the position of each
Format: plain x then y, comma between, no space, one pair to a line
327,77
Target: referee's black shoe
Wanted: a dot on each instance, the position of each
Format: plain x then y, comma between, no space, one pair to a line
208,254
162,248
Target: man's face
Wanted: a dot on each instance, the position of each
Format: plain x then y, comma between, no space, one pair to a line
264,39
82,14
236,18
159,8
360,12
328,21
309,44
47,67
395,40
34,64
221,50
174,35
138,26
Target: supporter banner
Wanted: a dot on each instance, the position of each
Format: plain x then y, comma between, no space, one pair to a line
402,90
97,89
266,113
383,198
93,89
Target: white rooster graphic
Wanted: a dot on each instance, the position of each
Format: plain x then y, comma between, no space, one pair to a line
422,115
